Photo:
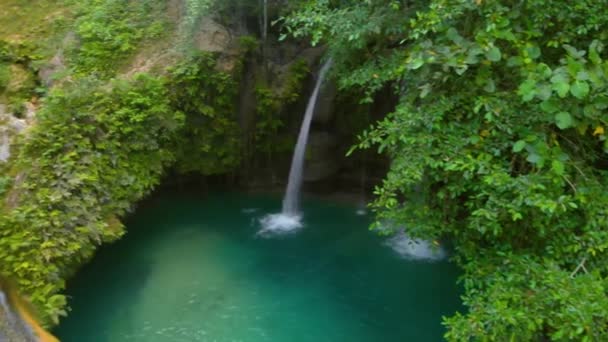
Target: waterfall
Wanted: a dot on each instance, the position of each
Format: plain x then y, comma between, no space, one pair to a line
291,200
288,220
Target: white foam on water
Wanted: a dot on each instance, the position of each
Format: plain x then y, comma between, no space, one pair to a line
416,249
279,224
361,212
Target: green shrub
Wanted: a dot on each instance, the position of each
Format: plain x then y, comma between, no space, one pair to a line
248,44
210,141
498,144
270,105
94,151
5,183
110,30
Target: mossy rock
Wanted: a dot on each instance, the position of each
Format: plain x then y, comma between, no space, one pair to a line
21,80
20,87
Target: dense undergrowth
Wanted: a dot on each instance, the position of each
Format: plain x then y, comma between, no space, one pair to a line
93,152
497,144
98,148
18,67
210,141
101,142
498,141
271,105
109,31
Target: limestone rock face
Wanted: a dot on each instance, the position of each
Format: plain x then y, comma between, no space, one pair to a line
56,65
212,37
5,151
321,157
9,127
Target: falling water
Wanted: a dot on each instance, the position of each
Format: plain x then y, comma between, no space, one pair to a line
290,202
289,219
265,22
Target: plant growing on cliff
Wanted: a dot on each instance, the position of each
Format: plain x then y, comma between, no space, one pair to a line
94,151
109,31
270,108
209,142
18,69
497,144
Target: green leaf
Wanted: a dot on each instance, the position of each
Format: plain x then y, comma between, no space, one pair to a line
551,105
416,64
561,89
494,54
558,167
535,159
527,90
490,86
579,89
533,52
563,120
519,146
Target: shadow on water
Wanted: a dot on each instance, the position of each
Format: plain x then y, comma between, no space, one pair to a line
202,266
100,286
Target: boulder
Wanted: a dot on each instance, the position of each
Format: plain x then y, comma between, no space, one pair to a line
9,127
212,37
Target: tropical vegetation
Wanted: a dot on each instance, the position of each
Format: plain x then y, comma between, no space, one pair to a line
497,143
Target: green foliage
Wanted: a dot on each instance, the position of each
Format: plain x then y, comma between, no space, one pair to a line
94,151
498,145
5,183
210,140
532,295
268,121
270,104
248,44
33,21
194,11
5,75
18,69
19,53
294,84
110,30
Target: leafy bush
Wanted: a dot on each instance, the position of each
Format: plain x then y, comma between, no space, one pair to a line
270,108
210,141
18,81
94,151
248,44
5,182
110,30
498,144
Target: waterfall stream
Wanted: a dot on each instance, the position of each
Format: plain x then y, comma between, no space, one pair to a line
292,195
289,219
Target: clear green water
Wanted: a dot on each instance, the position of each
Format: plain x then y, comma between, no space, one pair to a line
194,270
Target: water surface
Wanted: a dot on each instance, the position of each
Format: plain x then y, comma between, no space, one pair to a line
196,270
